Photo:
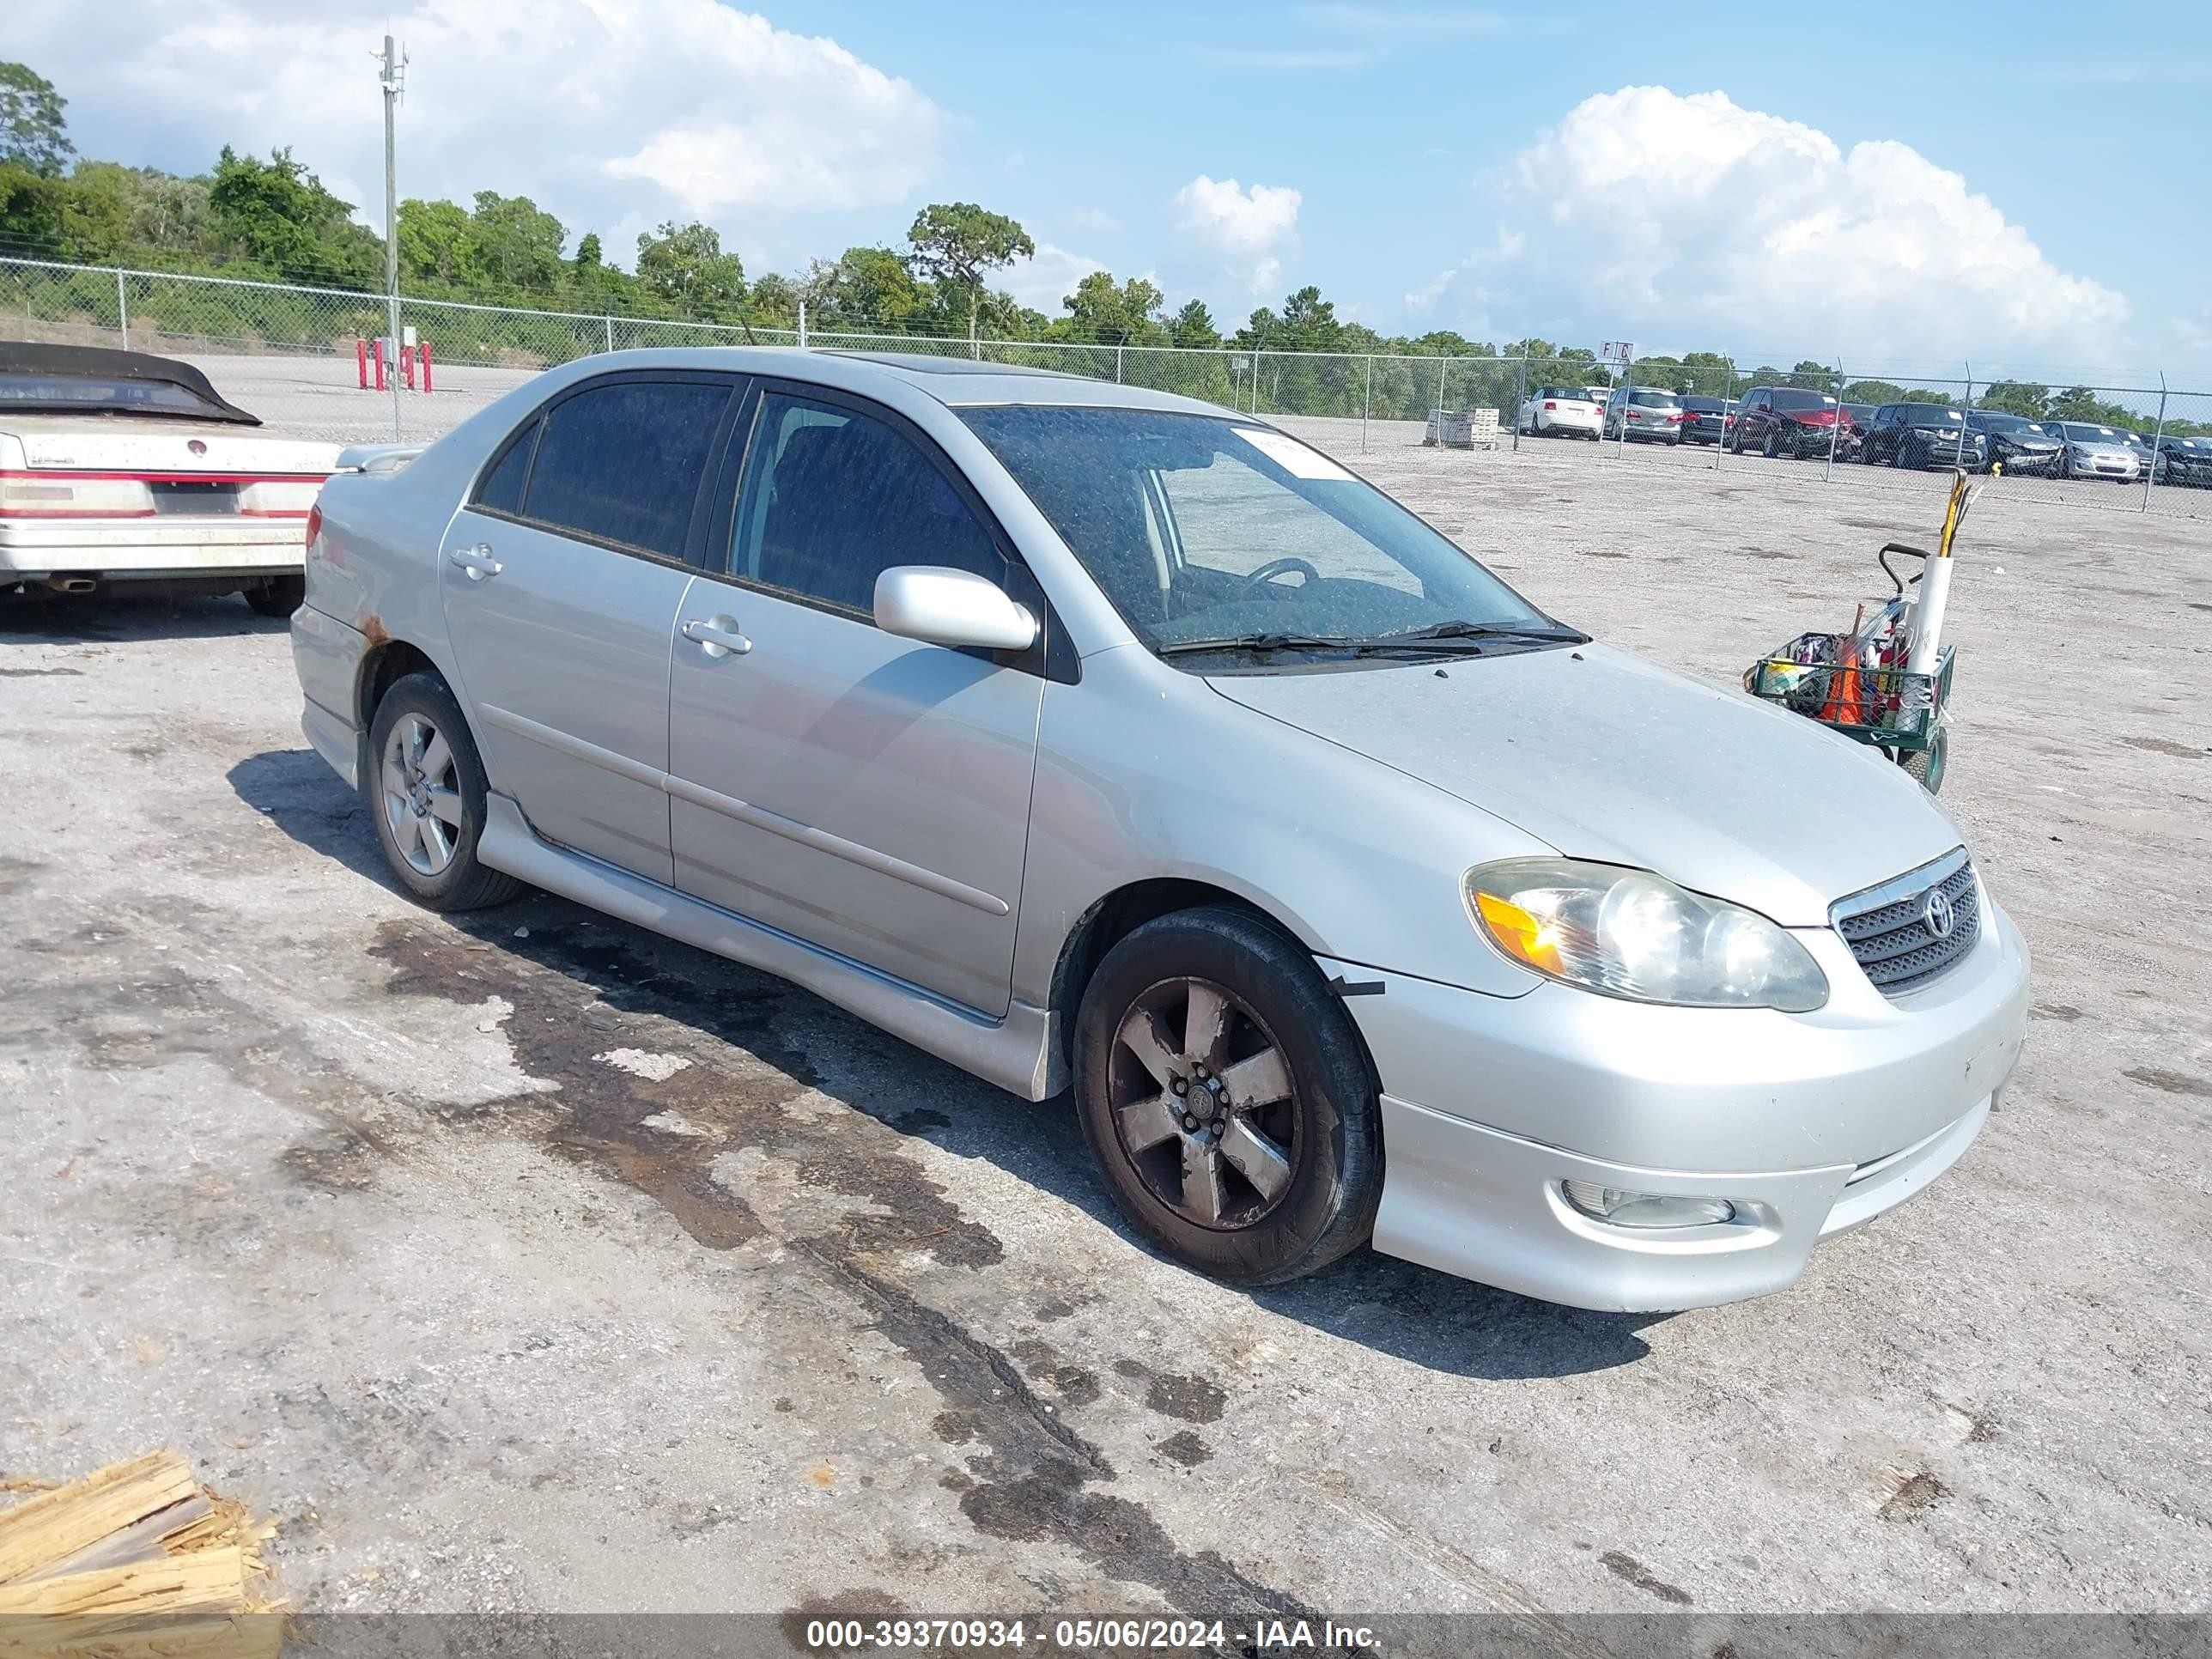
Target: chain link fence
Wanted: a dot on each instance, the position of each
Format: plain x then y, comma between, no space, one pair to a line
307,360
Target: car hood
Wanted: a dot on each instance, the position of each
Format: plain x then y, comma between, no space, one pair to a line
1603,755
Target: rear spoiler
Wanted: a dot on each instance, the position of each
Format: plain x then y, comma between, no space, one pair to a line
377,458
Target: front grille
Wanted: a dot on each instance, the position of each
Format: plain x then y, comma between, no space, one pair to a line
1888,930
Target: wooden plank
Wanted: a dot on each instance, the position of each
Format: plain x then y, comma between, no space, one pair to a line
205,1582
60,1523
142,1540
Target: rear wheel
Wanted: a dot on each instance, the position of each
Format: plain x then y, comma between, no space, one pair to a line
280,596
426,789
1227,1097
1773,444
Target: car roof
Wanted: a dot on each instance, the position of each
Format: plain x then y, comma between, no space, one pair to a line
956,382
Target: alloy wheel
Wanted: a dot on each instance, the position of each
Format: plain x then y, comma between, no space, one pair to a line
422,795
1204,1104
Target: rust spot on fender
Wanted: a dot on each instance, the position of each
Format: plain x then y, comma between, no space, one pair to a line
373,630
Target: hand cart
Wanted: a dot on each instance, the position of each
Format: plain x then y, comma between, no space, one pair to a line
1886,682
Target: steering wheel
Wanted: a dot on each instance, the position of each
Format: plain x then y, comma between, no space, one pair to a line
1283,566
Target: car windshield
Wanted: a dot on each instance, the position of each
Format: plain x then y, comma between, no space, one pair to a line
1703,405
1200,528
1929,415
100,394
2090,435
1786,400
1992,423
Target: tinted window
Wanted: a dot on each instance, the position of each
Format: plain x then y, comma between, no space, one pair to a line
69,394
832,499
502,491
622,462
1786,400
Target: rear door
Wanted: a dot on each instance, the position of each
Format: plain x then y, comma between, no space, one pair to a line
866,792
562,578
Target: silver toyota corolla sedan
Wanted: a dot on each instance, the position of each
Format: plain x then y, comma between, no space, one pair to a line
1108,743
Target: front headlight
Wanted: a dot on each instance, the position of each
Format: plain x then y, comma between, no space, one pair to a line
1631,933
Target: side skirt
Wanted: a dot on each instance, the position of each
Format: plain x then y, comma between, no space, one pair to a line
1014,1052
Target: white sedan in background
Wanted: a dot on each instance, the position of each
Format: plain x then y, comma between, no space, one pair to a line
1560,411
122,470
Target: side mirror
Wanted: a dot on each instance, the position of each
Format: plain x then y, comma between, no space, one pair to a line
939,605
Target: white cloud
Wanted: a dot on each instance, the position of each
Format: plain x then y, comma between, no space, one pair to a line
1741,229
598,109
1245,227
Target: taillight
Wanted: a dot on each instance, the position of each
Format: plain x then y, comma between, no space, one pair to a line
314,523
1549,404
1634,416
70,495
1675,420
289,498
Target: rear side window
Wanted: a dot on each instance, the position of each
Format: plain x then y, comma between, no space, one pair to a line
832,498
622,462
502,491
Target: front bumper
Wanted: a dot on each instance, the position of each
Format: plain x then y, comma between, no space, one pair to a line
1810,1124
121,549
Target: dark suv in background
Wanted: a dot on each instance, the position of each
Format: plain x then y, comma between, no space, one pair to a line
1924,435
1786,420
2016,441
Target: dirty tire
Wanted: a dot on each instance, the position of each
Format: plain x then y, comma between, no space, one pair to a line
280,596
1335,1179
462,884
1925,765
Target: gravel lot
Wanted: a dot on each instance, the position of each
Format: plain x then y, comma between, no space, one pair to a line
527,1262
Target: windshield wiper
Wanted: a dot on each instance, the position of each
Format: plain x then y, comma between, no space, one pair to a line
1258,643
1437,632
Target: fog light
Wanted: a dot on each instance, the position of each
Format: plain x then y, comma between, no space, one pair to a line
1627,1209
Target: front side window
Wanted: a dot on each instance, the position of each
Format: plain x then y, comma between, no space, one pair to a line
832,498
622,462
1205,529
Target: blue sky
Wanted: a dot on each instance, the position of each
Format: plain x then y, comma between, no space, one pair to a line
1899,186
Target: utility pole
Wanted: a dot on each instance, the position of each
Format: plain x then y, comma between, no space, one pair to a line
394,79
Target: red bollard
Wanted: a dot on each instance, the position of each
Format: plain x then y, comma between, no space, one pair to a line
423,352
376,356
407,365
361,360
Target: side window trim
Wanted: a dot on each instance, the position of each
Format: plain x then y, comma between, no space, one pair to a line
700,523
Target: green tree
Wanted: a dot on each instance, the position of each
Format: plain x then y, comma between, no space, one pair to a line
1309,322
278,213
865,289
1872,391
588,254
2017,398
774,300
518,245
436,243
1100,311
1193,325
686,263
956,243
33,135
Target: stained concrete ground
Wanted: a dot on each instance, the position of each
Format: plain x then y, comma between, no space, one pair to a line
525,1261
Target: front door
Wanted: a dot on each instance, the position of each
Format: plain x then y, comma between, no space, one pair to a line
867,793
561,578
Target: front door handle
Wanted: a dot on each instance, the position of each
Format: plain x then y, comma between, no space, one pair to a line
718,634
477,561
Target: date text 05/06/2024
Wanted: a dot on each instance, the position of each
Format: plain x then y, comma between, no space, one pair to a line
1142,1635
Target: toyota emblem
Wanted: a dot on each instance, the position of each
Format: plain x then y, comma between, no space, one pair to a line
1936,914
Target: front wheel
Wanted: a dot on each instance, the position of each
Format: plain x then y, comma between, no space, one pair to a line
426,789
1227,1098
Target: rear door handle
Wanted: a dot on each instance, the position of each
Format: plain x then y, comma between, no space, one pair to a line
477,561
718,634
